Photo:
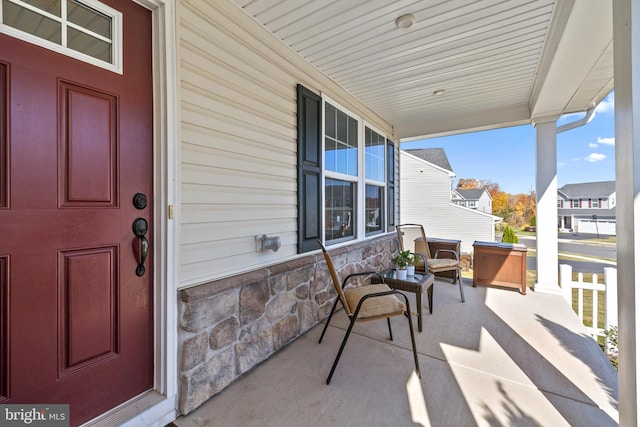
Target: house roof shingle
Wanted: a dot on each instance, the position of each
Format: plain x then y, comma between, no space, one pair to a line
587,190
437,156
473,194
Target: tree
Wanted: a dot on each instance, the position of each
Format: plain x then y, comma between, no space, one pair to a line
508,235
492,187
499,203
468,184
516,210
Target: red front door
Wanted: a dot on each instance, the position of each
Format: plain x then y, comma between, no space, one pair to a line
76,321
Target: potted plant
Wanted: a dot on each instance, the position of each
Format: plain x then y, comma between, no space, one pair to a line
411,267
401,261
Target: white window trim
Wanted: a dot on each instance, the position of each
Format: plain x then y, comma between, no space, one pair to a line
116,42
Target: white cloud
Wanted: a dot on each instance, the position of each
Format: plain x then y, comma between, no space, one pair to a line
606,105
576,159
560,164
595,157
606,141
592,145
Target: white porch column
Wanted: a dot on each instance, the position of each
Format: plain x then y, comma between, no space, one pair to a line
626,41
546,206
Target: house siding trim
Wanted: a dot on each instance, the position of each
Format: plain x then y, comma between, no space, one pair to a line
238,140
238,178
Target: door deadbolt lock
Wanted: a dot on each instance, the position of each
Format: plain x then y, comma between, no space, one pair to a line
140,201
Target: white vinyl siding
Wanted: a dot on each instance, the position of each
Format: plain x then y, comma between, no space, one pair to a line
485,204
425,198
238,140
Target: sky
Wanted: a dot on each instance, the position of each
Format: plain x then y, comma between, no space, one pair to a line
508,156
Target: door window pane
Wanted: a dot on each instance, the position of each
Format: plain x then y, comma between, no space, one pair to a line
66,26
89,45
31,22
89,19
51,6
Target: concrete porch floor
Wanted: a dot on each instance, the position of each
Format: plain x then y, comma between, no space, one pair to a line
499,359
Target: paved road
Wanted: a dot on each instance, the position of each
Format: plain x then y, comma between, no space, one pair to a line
573,246
576,247
576,265
588,249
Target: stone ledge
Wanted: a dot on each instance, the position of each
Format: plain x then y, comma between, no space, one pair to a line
217,286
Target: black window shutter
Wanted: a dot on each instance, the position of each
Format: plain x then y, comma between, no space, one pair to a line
309,169
391,186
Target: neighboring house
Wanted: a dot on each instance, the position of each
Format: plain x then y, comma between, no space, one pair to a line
478,199
588,207
147,146
426,198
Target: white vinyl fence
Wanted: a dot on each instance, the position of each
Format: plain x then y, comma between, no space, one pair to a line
610,289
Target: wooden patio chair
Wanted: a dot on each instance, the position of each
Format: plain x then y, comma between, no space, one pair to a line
412,237
365,303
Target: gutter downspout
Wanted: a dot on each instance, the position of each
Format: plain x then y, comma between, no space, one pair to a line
583,121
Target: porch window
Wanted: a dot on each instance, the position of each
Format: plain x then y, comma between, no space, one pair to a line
339,209
355,168
341,173
374,176
346,170
86,30
340,142
373,209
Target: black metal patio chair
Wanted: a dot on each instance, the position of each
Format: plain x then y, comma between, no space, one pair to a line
366,303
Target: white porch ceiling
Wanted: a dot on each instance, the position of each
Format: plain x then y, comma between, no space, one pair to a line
500,62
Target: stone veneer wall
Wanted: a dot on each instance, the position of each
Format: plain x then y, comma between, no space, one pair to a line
228,326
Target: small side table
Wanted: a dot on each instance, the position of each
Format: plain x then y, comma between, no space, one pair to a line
416,284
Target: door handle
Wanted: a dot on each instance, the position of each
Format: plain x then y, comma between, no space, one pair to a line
140,227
